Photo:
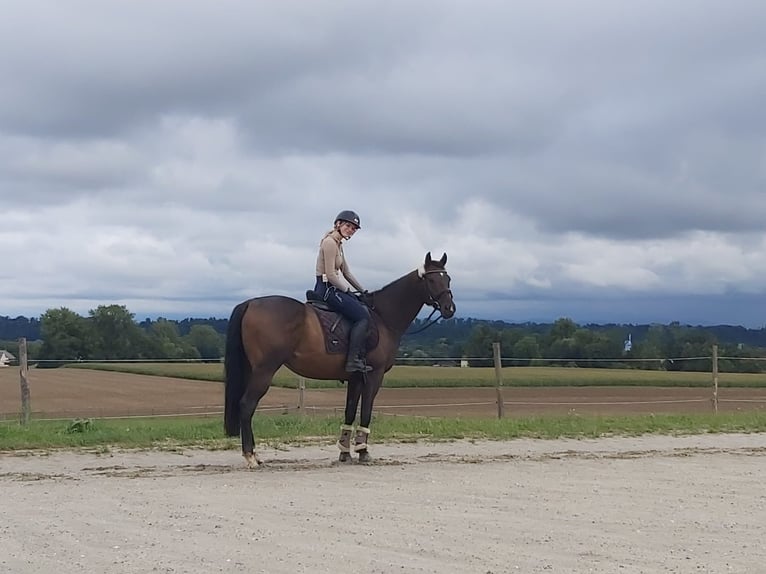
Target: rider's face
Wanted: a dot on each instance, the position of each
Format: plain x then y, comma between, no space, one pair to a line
347,229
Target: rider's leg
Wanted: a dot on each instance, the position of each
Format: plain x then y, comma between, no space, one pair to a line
357,343
359,315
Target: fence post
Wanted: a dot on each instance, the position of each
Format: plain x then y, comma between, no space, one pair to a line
499,380
715,379
26,409
301,394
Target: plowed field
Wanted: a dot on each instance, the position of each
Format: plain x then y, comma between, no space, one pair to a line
64,393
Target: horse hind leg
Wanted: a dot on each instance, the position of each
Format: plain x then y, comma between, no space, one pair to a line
257,387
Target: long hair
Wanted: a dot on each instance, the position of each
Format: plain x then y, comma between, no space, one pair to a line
236,369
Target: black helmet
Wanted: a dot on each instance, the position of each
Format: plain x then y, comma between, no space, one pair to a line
348,215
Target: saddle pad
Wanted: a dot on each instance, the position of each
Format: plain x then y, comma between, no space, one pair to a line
336,329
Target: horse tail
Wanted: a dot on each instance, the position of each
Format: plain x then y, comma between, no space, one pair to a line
236,369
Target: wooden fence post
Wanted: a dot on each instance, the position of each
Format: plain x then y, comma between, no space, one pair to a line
26,409
499,379
301,394
715,379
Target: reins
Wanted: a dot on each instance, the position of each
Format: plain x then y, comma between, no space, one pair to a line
427,325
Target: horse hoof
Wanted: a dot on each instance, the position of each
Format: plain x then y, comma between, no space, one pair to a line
364,457
252,461
344,457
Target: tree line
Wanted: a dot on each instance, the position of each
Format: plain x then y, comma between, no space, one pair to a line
111,333
564,342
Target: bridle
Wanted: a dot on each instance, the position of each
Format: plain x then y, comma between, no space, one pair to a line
432,300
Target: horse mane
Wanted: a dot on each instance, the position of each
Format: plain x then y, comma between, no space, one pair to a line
395,283
420,270
399,302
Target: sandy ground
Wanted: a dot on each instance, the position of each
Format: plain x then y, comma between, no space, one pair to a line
618,505
69,393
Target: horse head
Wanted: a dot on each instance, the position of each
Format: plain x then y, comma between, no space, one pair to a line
437,285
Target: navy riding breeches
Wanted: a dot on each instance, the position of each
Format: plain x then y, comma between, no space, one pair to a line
344,303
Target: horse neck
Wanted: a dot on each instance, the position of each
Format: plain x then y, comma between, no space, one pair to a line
398,303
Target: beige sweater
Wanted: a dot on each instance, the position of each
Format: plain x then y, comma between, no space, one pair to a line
332,265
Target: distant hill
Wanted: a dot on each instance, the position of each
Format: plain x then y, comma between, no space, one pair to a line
459,329
14,329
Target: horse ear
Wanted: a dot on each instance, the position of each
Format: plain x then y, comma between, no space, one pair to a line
428,258
443,260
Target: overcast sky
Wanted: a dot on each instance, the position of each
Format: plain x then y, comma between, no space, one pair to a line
598,160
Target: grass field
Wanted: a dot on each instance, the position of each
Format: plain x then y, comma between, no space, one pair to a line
289,428
171,433
422,376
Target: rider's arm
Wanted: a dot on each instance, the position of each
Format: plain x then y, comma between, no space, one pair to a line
350,277
329,248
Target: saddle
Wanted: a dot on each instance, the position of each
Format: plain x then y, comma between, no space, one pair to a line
336,327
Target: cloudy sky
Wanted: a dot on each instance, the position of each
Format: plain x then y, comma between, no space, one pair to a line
599,160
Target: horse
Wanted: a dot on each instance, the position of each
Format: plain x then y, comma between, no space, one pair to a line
267,332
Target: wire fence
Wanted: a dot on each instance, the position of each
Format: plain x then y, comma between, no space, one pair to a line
461,409
473,403
464,361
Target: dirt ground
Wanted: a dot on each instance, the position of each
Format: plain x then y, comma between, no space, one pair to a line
68,393
630,505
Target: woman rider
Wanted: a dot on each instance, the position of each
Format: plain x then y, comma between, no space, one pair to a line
336,284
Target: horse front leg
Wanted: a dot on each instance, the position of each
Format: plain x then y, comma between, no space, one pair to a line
369,392
353,393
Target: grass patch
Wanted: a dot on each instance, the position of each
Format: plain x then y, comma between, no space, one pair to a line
295,429
403,376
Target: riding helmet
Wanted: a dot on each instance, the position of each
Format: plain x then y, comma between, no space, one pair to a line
350,216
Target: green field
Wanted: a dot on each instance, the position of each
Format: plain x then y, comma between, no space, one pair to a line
275,430
416,376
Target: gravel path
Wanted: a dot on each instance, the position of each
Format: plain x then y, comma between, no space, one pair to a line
627,505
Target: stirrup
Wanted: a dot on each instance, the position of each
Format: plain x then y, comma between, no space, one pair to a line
357,366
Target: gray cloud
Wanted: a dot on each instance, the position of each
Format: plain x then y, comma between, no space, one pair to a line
569,156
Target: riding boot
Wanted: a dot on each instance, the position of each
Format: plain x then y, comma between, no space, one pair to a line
356,348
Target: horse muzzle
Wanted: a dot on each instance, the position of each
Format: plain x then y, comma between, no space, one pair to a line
446,308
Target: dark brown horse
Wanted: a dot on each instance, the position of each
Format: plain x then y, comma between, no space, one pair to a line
267,332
